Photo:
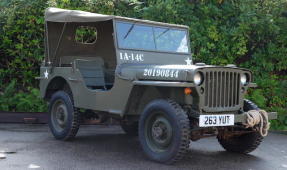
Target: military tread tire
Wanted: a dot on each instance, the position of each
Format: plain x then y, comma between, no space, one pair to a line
245,143
173,114
70,127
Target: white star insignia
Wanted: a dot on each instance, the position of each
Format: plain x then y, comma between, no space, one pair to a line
46,74
188,61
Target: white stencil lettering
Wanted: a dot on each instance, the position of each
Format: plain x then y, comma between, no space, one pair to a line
167,73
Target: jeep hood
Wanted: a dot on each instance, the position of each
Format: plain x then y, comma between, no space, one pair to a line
163,72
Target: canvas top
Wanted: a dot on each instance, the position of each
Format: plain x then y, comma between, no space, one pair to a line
64,15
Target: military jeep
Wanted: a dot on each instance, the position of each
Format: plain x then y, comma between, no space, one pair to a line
141,73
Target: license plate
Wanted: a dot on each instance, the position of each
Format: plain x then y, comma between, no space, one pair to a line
216,120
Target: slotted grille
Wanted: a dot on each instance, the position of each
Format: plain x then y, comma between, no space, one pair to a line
221,89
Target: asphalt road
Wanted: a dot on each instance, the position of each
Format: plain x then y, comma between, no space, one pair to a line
107,147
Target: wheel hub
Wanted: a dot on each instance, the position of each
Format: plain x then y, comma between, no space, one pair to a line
59,115
159,133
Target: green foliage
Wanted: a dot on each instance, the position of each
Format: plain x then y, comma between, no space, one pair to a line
29,101
21,41
86,35
249,33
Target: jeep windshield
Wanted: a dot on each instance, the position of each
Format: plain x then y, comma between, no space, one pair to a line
151,38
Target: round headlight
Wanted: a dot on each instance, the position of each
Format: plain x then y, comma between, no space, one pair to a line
243,79
197,78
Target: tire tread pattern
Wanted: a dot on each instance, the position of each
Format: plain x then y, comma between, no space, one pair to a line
245,143
76,117
185,132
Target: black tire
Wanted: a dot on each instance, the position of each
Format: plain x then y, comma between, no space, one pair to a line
249,105
61,106
176,130
130,129
245,143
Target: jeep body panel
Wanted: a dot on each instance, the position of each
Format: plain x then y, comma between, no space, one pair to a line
99,100
116,99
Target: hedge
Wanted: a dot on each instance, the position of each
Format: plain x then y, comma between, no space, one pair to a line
249,33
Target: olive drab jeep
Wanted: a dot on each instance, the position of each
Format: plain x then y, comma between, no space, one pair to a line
141,73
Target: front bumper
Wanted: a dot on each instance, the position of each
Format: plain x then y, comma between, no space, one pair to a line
241,118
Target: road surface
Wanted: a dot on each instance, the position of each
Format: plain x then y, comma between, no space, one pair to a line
107,147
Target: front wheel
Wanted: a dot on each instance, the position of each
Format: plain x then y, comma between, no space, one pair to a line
64,118
164,131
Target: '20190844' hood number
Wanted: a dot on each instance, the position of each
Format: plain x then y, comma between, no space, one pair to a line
168,73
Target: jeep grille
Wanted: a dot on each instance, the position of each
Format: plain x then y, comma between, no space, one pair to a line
221,90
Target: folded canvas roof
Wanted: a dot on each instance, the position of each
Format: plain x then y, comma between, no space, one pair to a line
64,15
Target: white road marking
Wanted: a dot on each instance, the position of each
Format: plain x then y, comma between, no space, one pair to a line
284,165
2,156
33,166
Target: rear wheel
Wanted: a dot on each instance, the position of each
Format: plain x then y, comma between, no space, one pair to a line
64,118
164,131
244,143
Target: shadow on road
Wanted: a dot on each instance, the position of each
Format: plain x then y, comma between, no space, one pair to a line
109,148
122,147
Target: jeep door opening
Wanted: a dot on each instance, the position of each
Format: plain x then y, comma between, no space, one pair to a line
141,73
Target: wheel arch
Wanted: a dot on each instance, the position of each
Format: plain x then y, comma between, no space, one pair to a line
56,83
141,95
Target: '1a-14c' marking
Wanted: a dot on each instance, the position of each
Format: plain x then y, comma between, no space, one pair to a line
131,57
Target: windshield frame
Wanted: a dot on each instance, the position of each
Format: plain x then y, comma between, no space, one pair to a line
170,27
